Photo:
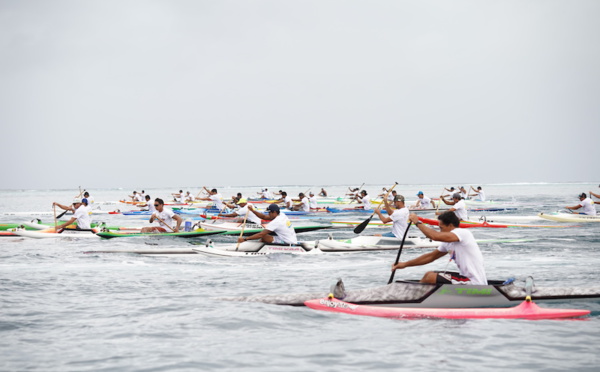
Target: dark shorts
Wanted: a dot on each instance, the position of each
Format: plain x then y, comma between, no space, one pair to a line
450,277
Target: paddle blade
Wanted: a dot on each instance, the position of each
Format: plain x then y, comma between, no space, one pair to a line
358,229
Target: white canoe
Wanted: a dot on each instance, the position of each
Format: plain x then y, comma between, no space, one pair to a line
228,226
254,248
372,243
569,217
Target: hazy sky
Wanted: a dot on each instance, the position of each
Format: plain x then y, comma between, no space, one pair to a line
181,93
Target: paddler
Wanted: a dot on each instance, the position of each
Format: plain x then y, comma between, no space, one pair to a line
179,196
364,199
241,212
136,198
215,197
450,191
314,204
265,194
462,247
423,202
586,203
463,192
235,200
390,196
304,205
166,215
479,194
149,204
81,214
459,206
286,200
398,216
280,225
89,198
189,197
323,192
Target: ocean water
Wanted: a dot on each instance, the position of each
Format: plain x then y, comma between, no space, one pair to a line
65,310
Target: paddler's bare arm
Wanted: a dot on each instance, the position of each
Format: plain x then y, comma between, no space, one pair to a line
421,260
179,221
438,236
257,236
64,207
262,216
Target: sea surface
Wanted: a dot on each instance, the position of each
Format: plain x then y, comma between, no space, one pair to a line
65,310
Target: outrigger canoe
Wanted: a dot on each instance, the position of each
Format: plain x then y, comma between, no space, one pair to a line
233,228
51,233
469,224
181,234
525,310
365,243
412,294
569,217
254,249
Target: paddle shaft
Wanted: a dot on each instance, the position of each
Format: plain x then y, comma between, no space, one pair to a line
164,223
243,227
361,186
399,252
55,219
358,229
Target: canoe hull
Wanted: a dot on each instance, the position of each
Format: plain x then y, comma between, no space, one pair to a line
525,310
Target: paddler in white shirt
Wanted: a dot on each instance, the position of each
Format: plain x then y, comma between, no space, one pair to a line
423,202
286,200
479,194
241,212
81,214
304,205
89,198
462,247
214,197
265,194
166,215
149,204
280,225
463,192
136,198
450,192
189,197
398,216
390,196
586,203
458,206
312,199
365,200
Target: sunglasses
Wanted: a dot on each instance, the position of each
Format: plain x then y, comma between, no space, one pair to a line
156,205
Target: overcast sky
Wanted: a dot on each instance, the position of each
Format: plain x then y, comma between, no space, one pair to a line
182,93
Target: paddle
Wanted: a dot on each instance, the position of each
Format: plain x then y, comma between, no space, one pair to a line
60,215
243,227
358,229
353,200
400,252
80,193
164,223
55,222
